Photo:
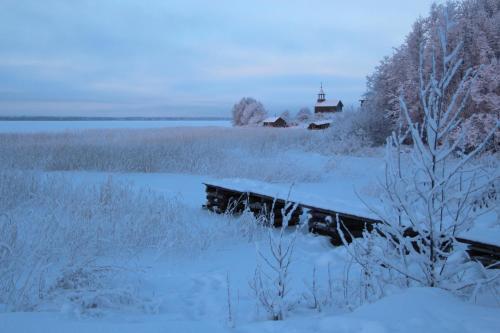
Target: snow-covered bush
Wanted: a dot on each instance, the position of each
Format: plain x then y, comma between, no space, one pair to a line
366,279
304,115
374,124
318,296
94,290
271,281
248,111
56,237
346,133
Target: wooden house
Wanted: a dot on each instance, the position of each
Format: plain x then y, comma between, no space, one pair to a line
274,122
324,105
318,125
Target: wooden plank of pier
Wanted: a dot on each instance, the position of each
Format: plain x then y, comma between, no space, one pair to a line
221,199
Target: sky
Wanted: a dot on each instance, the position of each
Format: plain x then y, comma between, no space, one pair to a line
191,57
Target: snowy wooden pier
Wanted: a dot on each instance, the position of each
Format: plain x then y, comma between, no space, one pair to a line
322,221
226,199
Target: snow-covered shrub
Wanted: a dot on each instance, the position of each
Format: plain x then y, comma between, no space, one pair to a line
271,281
94,290
362,127
56,234
249,226
375,125
366,280
248,111
304,115
346,135
316,296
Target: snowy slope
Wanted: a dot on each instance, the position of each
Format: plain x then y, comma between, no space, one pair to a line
192,296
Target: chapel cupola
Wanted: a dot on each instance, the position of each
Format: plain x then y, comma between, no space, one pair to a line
321,94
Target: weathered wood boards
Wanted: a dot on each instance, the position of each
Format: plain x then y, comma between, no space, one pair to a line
321,221
224,200
487,254
324,222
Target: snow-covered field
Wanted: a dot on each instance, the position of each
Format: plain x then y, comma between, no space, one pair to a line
103,231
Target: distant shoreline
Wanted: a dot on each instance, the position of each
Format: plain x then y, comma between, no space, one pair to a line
55,118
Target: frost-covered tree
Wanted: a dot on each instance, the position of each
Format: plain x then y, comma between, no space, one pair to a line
286,116
248,111
430,198
373,124
477,27
474,130
304,114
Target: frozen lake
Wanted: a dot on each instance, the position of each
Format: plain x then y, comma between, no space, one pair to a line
30,126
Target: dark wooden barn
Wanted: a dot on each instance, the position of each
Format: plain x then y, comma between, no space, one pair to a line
275,122
318,125
324,105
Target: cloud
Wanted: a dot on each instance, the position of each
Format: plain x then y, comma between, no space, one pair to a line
146,87
192,54
270,65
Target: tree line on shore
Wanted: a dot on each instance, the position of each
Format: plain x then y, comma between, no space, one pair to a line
473,24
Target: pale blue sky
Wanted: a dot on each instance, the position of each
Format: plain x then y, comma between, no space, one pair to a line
190,58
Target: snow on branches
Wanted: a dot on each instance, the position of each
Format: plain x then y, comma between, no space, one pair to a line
476,27
248,111
429,192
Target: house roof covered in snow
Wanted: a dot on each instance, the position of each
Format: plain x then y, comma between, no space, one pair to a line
270,119
322,122
328,102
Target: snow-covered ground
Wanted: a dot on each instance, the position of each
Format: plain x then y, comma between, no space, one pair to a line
190,295
188,288
344,187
